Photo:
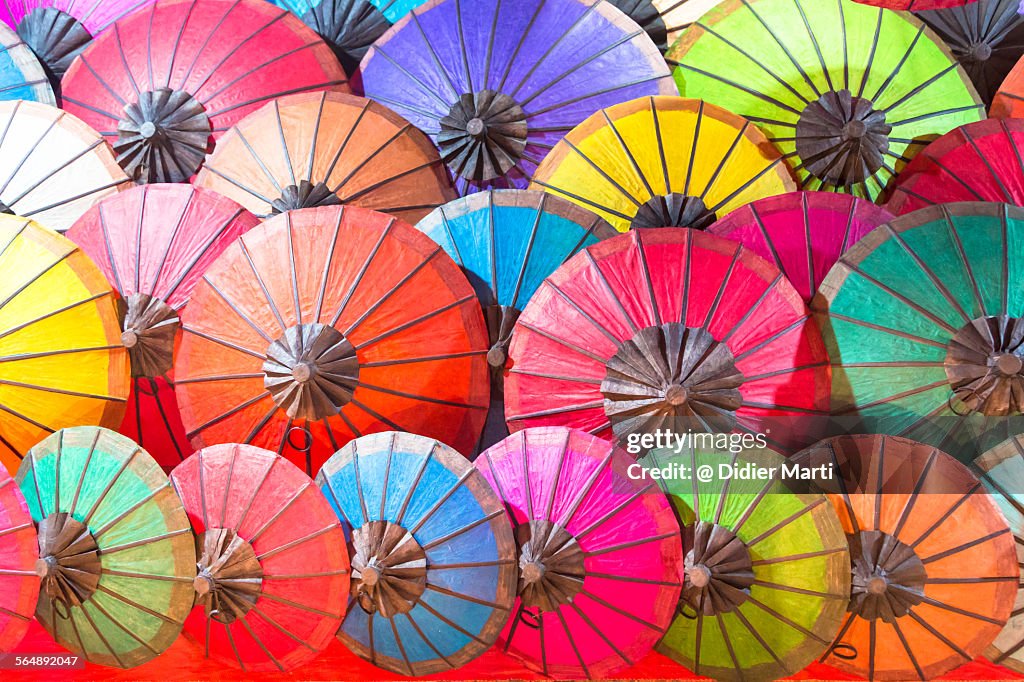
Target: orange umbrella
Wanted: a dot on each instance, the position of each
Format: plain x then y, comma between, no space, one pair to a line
1009,99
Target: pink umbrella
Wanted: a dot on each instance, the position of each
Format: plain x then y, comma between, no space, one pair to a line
19,550
600,558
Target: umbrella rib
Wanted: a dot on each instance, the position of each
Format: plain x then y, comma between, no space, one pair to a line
98,533
629,155
918,486
938,635
442,500
231,641
466,597
202,252
582,98
572,304
562,342
379,49
426,640
789,519
892,398
415,20
280,512
376,415
238,311
294,543
412,323
263,287
167,247
787,621
215,68
68,200
406,278
760,640
61,391
747,184
915,91
933,114
260,644
202,49
606,285
761,345
38,425
548,52
369,189
337,505
589,202
929,273
750,508
604,174
401,648
622,612
106,86
576,650
14,614
628,545
465,529
634,579
362,272
906,647
230,413
407,498
899,65
99,634
54,353
754,93
797,590
298,605
328,262
221,342
602,635
960,548
248,190
931,601
585,491
39,274
785,49
441,617
468,564
553,411
887,330
284,631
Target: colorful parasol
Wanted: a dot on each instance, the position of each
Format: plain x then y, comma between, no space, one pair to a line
663,162
662,325
505,81
933,563
433,572
19,550
849,96
1007,102
61,359
923,322
273,572
160,82
320,149
21,74
802,233
600,562
664,20
507,242
326,324
117,556
767,568
53,167
153,243
980,161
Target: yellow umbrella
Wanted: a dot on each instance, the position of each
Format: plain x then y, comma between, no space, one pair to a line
664,162
61,359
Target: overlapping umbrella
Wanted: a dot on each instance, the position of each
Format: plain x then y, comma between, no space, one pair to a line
19,584
21,74
61,359
802,233
933,562
664,20
272,576
162,81
116,553
655,327
848,92
433,557
153,243
319,149
496,84
600,562
326,324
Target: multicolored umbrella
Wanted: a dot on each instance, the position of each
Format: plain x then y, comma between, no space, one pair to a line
664,20
162,81
21,74
600,562
924,322
649,328
980,161
849,96
507,242
767,568
321,149
802,233
153,243
19,550
273,572
933,562
116,553
53,167
326,324
505,81
61,359
433,558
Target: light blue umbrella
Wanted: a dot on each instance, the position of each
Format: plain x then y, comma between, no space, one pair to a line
21,74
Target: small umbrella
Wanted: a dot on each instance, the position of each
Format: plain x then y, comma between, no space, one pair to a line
19,550
848,92
507,242
496,84
153,243
319,149
116,553
600,562
61,359
934,570
21,74
620,164
767,568
53,167
433,572
660,325
326,324
160,82
924,322
273,572
664,20
980,161
803,233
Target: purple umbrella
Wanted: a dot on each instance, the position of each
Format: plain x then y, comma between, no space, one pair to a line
496,84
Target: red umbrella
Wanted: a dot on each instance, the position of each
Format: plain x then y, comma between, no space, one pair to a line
153,243
161,81
19,584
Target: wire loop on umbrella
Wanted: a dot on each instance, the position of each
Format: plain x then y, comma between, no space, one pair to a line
307,443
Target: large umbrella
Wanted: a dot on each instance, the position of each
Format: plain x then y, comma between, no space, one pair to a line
923,322
600,562
803,233
664,20
21,74
933,563
19,550
162,81
848,92
655,327
326,324
767,567
116,553
507,242
319,149
664,162
433,558
61,359
53,167
496,84
273,571
153,243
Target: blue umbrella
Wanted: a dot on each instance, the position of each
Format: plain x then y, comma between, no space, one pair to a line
21,74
